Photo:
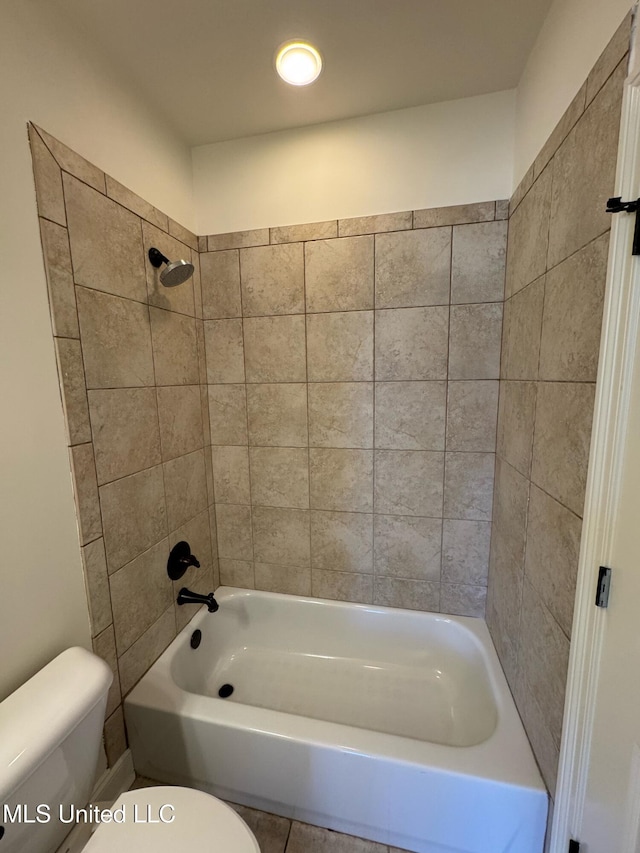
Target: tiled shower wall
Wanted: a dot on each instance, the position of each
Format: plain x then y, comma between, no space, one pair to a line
353,386
131,365
556,272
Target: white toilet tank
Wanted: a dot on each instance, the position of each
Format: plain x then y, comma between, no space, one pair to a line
50,736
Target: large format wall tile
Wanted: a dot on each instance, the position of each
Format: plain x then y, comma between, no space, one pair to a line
341,414
225,351
475,338
124,422
342,541
412,343
231,475
462,599
291,580
220,277
522,331
175,350
410,415
465,551
74,390
407,547
516,418
272,280
281,536
468,486
413,268
478,262
48,178
341,480
116,340
85,487
339,274
342,586
278,414
340,346
106,243
180,418
529,236
472,409
409,594
185,488
235,540
280,476
376,224
57,266
408,482
275,349
228,414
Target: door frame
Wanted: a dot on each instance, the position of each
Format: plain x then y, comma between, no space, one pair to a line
620,329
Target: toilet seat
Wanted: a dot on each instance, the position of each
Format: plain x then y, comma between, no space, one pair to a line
202,824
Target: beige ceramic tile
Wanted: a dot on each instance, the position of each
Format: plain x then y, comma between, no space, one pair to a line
48,180
272,280
478,262
342,586
202,352
97,586
277,415
126,439
180,416
510,512
290,580
57,265
463,599
141,591
410,415
584,173
134,515
115,736
502,209
412,343
610,57
544,656
308,231
225,351
515,424
85,487
551,562
413,268
74,163
275,349
472,411
220,273
341,480
408,594
564,412
140,656
281,536
474,346
73,387
457,214
234,532
342,541
407,547
280,476
228,414
178,298
104,645
231,475
522,331
238,573
185,486
522,189
503,606
409,482
106,243
529,236
572,318
116,340
238,239
183,234
375,224
175,348
468,487
339,274
270,830
341,414
124,196
546,751
340,346
465,551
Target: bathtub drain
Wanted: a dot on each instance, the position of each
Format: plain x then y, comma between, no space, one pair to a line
225,691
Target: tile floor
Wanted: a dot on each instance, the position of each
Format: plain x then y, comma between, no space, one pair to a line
280,835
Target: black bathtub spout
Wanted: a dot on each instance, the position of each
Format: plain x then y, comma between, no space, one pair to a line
185,596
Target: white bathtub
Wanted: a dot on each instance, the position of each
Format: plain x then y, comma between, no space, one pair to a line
392,725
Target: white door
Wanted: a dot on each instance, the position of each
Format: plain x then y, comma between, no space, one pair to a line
598,796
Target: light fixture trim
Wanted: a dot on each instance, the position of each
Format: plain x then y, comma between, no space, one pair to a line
298,62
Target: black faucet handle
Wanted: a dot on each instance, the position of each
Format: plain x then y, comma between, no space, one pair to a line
180,559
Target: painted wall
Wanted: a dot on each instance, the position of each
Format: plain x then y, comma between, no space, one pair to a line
573,36
47,75
432,156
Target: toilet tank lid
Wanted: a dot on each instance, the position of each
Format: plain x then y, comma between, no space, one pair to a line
38,716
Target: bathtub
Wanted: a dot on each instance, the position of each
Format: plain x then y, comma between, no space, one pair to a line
393,725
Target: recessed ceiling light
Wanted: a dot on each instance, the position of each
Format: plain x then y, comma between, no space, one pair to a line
298,62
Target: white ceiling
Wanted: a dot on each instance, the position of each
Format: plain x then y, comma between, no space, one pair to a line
206,66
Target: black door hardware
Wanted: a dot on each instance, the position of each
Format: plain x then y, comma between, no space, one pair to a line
616,205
